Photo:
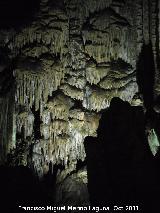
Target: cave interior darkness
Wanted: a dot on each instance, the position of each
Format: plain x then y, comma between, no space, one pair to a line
80,104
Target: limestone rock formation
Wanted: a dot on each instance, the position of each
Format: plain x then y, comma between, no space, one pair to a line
69,62
76,187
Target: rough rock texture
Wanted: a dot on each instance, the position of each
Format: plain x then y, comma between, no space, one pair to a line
71,60
72,191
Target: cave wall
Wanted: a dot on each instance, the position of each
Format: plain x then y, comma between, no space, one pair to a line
69,62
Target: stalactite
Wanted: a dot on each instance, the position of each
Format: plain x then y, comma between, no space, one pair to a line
146,24
25,120
61,175
93,5
139,25
3,126
77,56
155,38
121,73
78,82
52,33
45,131
42,84
59,106
72,92
36,51
128,93
112,83
77,114
63,142
84,8
91,124
60,151
67,148
14,131
46,117
96,36
108,47
96,99
29,36
95,74
105,35
58,127
91,39
7,128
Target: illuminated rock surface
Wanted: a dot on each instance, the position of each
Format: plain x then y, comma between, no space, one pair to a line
67,64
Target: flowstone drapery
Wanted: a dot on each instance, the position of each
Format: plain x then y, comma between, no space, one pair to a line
70,61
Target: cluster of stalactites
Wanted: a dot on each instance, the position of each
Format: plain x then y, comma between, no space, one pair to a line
63,131
7,125
50,29
98,99
55,38
107,46
3,126
83,8
106,81
35,88
25,120
88,84
95,73
59,107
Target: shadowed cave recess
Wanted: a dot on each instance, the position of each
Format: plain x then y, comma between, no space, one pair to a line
80,104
